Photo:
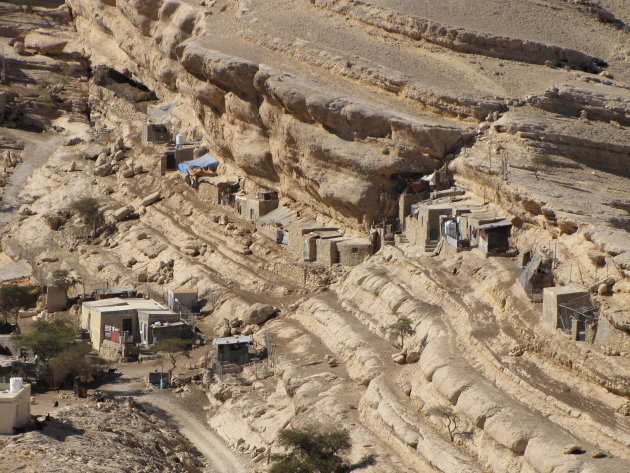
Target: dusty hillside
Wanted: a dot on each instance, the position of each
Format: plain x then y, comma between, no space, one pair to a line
333,103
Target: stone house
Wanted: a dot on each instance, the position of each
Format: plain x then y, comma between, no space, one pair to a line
355,251
406,200
218,190
252,207
302,235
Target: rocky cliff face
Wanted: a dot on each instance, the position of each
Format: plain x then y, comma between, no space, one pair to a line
313,143
336,130
332,103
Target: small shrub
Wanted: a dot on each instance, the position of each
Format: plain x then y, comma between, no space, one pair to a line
401,328
385,151
540,159
89,209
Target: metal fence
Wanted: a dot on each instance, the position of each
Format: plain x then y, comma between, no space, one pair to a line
579,318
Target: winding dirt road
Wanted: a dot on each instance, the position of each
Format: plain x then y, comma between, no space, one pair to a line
218,455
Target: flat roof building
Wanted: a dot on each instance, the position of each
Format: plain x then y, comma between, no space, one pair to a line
114,319
15,406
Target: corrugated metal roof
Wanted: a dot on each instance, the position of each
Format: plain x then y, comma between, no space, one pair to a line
117,289
233,340
487,226
530,270
306,222
281,215
218,180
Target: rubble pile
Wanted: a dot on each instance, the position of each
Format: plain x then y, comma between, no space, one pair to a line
106,436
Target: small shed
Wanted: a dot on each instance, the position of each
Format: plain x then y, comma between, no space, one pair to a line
164,330
218,190
562,303
274,223
233,349
171,159
186,296
494,238
536,276
195,167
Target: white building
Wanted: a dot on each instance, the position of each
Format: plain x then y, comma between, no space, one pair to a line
15,406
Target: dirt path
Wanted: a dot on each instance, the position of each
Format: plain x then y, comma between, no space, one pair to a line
222,459
217,454
38,147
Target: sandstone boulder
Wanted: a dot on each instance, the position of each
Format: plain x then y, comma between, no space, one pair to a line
151,199
398,358
48,258
93,151
44,44
19,47
257,314
55,219
122,213
104,170
413,357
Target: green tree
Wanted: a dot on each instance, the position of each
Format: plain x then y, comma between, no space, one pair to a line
89,209
48,339
56,345
311,451
75,360
171,347
14,297
401,328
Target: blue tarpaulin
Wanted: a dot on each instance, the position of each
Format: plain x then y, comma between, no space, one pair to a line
205,161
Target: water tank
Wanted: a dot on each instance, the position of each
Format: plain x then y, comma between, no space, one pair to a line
15,385
450,228
180,139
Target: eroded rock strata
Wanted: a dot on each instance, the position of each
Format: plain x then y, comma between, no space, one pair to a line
333,104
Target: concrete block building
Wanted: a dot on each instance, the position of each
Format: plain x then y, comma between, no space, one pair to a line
15,406
115,319
561,303
157,324
156,133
